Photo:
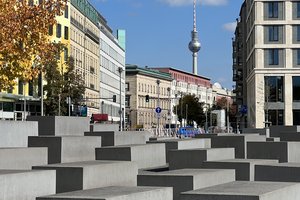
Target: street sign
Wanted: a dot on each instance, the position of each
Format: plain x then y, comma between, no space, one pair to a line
158,110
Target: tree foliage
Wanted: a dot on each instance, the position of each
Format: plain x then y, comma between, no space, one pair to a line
194,110
61,85
24,38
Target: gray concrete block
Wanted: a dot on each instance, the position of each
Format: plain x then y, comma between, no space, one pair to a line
210,135
22,158
61,125
282,151
15,133
244,168
97,127
67,148
193,158
276,130
92,174
236,141
116,193
145,155
246,190
281,172
186,179
182,144
25,184
289,136
116,138
260,131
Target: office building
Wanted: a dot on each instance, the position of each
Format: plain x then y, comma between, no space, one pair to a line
270,66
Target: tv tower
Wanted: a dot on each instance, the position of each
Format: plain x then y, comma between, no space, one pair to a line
195,45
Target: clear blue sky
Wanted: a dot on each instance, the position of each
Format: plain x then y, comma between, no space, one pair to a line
158,33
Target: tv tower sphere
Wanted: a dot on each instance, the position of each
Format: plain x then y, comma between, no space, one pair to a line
194,45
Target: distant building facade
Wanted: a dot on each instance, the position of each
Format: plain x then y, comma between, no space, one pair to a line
187,83
269,36
141,82
112,68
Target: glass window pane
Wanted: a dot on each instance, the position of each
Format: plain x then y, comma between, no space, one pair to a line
298,56
298,9
296,88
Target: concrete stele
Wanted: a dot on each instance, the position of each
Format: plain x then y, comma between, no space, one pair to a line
26,184
145,155
92,174
186,179
116,193
242,190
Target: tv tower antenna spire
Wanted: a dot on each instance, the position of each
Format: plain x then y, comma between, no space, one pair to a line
194,45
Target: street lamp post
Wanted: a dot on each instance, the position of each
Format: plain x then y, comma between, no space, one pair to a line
158,105
186,114
24,84
42,95
120,69
169,111
227,102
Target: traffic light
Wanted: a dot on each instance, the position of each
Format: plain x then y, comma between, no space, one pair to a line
114,98
147,98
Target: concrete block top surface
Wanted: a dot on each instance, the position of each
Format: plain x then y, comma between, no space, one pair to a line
187,172
202,149
247,188
106,192
133,146
252,161
177,140
10,172
84,164
287,164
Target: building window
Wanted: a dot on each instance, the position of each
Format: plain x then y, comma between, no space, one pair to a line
296,88
127,100
20,87
66,33
50,30
92,86
67,12
273,9
273,33
274,89
296,117
298,33
298,9
298,56
276,117
273,56
58,30
92,69
66,54
126,86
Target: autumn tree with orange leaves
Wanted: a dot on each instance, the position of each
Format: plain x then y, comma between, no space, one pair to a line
24,43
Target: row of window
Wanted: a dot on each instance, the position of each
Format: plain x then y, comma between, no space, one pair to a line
112,52
59,31
110,66
275,34
275,10
274,87
275,58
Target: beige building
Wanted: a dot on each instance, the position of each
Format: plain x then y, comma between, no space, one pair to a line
272,60
85,49
139,83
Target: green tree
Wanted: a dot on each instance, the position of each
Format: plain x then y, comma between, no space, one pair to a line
194,110
61,85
